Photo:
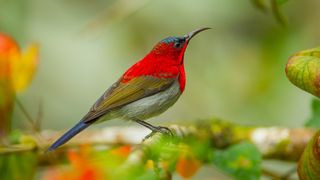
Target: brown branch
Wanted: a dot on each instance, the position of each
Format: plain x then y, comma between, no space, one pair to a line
273,142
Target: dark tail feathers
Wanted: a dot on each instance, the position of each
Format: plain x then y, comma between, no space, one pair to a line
69,134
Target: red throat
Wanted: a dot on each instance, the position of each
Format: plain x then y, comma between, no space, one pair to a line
156,64
182,78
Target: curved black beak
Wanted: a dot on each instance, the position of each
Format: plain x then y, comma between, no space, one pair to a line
191,34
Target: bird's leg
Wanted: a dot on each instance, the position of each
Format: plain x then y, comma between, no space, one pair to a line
160,129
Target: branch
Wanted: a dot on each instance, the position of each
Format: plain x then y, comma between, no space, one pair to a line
273,142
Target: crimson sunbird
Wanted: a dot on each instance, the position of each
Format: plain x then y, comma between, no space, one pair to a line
146,89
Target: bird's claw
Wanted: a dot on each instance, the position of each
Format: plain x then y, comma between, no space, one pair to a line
159,129
164,130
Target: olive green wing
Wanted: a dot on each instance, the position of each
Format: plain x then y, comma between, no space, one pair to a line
121,94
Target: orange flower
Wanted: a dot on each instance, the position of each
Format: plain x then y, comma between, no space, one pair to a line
86,170
7,44
17,67
82,168
8,47
122,151
187,165
16,72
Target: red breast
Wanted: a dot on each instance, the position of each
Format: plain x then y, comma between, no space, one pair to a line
162,62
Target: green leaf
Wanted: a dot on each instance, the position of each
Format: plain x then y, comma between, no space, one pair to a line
148,175
242,161
20,165
309,164
277,13
314,120
303,70
260,4
15,136
274,8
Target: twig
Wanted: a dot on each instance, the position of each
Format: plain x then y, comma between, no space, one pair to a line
26,114
35,123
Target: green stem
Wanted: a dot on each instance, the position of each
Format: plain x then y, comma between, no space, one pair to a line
6,109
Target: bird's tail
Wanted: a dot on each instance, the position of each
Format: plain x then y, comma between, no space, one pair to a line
69,134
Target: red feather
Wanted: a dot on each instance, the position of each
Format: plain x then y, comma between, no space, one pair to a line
164,61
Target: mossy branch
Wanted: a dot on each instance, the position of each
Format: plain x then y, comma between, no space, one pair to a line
273,142
193,143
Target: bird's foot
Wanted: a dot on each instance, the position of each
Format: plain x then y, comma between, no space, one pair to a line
149,135
159,129
164,130
154,129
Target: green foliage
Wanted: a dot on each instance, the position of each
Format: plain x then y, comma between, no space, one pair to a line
274,8
148,175
309,164
18,161
242,161
18,166
14,136
303,70
277,12
260,4
314,120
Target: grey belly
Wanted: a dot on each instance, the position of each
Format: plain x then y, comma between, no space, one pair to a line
149,106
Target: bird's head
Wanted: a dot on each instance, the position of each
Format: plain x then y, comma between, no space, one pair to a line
174,47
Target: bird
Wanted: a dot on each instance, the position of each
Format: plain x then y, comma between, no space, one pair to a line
147,89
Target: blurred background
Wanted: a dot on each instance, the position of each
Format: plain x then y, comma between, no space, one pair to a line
234,71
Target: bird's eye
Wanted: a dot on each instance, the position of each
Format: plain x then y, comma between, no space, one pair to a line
178,44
